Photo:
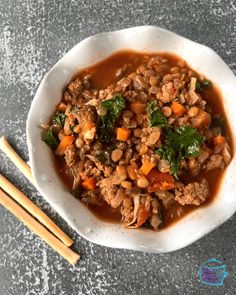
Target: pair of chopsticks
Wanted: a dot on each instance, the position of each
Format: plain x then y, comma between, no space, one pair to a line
31,215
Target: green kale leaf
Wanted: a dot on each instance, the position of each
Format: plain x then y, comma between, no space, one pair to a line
155,116
59,119
50,139
114,107
180,143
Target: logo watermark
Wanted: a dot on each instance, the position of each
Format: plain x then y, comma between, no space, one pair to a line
213,272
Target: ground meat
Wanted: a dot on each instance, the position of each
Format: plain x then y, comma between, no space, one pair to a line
166,197
215,161
113,196
203,156
75,88
131,96
67,96
71,155
126,213
106,170
87,114
95,172
139,82
88,95
194,193
168,92
88,167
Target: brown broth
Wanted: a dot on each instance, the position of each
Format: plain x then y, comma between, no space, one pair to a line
104,74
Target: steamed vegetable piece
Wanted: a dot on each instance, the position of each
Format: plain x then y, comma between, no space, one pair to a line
50,138
180,143
155,116
114,107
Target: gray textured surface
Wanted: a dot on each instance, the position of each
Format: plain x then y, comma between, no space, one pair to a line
33,36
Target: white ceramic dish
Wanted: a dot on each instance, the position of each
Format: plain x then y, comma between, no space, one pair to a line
87,52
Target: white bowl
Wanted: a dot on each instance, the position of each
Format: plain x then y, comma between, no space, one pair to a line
87,52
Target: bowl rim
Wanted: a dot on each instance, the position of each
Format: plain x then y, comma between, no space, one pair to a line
92,239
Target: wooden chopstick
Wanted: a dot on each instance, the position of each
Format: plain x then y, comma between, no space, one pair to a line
16,159
39,229
18,196
22,199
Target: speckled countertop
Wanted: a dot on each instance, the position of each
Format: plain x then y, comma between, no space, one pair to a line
33,36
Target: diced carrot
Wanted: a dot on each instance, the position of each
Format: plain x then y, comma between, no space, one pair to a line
147,167
218,140
138,107
123,134
62,107
160,181
202,120
88,125
66,141
89,184
177,109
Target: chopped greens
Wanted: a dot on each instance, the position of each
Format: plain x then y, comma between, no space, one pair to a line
114,107
59,119
167,152
104,157
156,118
50,139
219,122
200,86
179,143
